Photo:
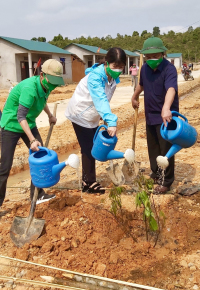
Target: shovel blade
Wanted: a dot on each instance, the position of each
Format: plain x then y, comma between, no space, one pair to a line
116,175
18,233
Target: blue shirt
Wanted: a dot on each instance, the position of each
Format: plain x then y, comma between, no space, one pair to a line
155,85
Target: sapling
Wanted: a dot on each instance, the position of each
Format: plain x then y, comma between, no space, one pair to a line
143,199
115,197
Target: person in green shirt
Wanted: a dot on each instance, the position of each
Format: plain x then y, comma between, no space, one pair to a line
23,105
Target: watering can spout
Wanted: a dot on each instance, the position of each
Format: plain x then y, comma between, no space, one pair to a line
56,169
72,161
113,154
173,150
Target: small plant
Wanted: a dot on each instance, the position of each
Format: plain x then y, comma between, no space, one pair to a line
115,197
143,199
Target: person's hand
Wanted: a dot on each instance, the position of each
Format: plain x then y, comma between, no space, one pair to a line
112,131
166,115
34,145
52,119
135,104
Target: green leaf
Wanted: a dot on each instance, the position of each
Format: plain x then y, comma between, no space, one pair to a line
153,224
147,212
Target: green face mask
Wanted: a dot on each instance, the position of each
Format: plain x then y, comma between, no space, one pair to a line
154,63
48,86
114,73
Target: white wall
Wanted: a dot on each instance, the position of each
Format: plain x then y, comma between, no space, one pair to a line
80,52
8,62
177,61
68,66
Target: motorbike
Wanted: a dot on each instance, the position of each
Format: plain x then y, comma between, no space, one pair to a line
187,74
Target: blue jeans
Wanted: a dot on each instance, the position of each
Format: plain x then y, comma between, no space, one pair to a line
9,141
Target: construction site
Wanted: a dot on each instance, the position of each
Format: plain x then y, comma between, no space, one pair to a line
84,245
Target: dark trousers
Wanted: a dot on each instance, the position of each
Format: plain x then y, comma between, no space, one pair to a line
85,138
158,146
9,141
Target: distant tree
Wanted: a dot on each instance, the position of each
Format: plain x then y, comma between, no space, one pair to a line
119,35
144,32
135,33
42,39
58,38
156,31
190,29
34,39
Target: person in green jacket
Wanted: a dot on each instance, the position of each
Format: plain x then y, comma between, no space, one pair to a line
23,105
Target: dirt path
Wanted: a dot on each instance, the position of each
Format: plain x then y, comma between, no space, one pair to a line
82,235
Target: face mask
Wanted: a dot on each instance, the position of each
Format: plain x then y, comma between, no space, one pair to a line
114,73
154,63
48,86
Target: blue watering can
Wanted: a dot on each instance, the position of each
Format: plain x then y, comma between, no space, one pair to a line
104,145
179,133
45,168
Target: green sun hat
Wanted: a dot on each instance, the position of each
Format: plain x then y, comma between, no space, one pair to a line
153,45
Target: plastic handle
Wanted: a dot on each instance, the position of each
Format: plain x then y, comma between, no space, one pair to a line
174,113
97,131
42,148
165,130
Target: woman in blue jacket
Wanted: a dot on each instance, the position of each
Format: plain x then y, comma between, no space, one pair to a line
89,103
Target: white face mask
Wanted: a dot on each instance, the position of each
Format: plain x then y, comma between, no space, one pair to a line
117,70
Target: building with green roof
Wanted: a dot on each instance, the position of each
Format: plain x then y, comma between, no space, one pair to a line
175,58
87,53
19,58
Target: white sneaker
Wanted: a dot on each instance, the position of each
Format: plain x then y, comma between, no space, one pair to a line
45,197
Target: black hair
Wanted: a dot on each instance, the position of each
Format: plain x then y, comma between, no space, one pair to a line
116,55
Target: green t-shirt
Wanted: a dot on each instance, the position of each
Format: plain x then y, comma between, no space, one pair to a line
30,94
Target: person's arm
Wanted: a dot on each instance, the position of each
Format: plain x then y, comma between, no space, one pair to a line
166,113
99,98
52,119
135,97
171,87
34,143
21,117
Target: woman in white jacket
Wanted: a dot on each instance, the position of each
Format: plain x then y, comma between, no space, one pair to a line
89,103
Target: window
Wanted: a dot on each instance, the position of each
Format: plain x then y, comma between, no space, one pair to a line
62,61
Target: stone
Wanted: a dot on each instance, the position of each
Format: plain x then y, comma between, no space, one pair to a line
40,242
190,265
114,258
100,268
193,268
195,287
183,263
74,243
22,254
47,247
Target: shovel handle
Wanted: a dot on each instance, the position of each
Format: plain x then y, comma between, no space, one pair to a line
51,127
32,210
136,110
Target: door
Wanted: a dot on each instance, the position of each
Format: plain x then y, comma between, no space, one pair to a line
24,70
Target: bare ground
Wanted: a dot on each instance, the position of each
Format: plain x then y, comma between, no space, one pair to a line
82,235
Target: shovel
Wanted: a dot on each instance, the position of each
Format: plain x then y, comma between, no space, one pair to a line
120,175
26,230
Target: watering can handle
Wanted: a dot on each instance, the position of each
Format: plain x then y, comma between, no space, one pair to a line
40,147
174,113
164,129
97,131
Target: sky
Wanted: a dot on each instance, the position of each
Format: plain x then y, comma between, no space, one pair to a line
72,18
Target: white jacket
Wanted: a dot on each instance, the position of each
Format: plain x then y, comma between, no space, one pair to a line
91,98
